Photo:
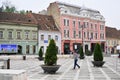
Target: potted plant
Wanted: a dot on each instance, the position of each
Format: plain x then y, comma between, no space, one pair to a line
98,56
40,54
50,61
81,53
88,53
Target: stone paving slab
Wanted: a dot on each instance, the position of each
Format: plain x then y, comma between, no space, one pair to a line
110,70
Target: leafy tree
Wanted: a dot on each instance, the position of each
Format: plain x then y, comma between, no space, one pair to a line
8,7
22,12
98,56
51,53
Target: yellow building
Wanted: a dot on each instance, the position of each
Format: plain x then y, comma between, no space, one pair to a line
112,39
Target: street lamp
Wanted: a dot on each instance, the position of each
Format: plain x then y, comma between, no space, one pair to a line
75,46
82,37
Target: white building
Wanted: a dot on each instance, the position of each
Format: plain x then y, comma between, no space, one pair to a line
47,29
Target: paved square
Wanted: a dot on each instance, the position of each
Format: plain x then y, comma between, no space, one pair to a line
110,70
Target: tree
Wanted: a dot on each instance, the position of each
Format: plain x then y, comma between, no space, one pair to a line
98,56
40,52
22,12
8,7
81,53
51,53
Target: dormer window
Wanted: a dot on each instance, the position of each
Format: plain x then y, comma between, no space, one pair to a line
29,20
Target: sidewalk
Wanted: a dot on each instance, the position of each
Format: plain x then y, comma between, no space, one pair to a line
110,70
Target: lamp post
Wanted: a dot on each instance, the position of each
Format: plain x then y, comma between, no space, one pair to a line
75,42
82,37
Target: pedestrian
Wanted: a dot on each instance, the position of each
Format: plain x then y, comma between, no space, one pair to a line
75,55
119,54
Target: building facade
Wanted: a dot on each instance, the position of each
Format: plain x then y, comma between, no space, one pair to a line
47,29
20,30
112,39
79,26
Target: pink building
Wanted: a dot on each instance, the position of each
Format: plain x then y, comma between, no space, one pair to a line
80,26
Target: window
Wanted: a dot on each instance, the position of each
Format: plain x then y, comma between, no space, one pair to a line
101,27
84,35
49,37
88,35
56,37
95,35
18,35
10,35
95,26
34,35
42,37
91,35
74,34
67,33
91,26
26,34
79,34
85,24
101,35
73,23
66,22
34,49
1,34
27,49
79,24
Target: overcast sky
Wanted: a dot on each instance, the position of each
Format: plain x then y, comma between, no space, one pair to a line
110,9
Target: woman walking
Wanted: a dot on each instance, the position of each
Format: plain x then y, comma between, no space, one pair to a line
75,55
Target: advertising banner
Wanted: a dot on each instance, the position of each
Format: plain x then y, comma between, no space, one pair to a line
8,48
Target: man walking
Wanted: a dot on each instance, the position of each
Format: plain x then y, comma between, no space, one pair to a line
75,55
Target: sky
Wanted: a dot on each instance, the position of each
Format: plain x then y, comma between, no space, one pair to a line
110,9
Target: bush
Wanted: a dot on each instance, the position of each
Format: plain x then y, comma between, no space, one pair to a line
88,53
81,53
98,56
51,54
40,52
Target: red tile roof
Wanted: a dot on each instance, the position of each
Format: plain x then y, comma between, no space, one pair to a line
16,18
112,33
45,22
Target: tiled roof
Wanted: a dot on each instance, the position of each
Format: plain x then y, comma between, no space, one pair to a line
16,18
45,22
112,33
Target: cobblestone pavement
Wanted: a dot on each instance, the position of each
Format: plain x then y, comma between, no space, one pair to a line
110,70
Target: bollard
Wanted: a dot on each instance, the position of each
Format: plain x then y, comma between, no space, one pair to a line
8,64
24,57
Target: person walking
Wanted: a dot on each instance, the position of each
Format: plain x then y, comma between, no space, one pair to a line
75,55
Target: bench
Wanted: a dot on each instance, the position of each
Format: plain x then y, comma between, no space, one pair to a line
6,74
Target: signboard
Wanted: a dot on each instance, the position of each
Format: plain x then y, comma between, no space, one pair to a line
8,48
45,41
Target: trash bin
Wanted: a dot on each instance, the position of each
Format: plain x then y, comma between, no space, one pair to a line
24,57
